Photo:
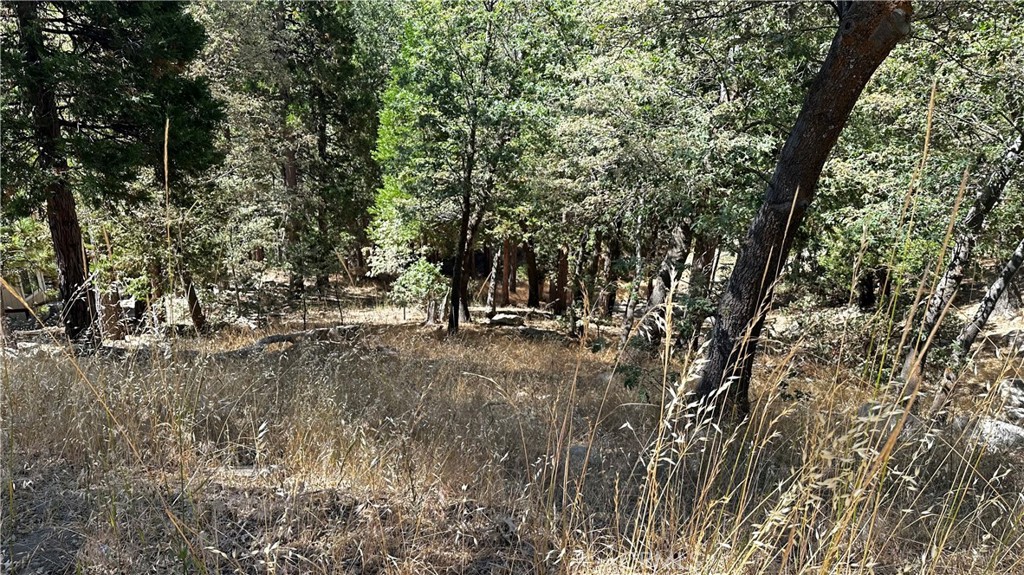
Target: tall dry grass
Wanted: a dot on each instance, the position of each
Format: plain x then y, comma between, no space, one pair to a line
397,453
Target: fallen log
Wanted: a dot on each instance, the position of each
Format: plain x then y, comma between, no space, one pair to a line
338,334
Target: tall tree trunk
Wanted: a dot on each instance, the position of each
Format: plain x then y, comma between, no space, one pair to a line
492,286
970,331
109,309
79,312
293,219
534,276
324,253
577,280
634,293
593,267
506,270
459,277
561,279
195,308
701,272
609,280
960,257
290,170
670,271
867,33
513,274
469,260
156,291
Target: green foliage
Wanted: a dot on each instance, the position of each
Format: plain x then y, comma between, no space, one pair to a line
456,118
26,248
118,71
311,87
564,121
420,284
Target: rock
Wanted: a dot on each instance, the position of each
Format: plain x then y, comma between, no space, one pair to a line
1011,390
506,319
1008,338
998,435
782,327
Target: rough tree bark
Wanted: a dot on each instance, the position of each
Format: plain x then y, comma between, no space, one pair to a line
109,309
492,288
969,333
593,268
513,275
634,293
506,270
608,279
195,308
534,276
701,275
458,291
960,257
558,296
576,279
868,31
670,271
79,312
289,168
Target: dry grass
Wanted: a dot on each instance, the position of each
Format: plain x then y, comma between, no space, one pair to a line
493,453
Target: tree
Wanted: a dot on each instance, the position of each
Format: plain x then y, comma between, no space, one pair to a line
301,82
451,132
91,87
961,256
970,330
868,31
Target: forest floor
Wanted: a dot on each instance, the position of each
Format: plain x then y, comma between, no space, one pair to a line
385,448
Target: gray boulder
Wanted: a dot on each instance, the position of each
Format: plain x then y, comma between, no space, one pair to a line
998,435
1012,391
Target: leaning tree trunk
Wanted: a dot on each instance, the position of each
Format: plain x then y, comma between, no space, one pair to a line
669,273
970,331
1010,304
79,313
960,258
492,286
868,31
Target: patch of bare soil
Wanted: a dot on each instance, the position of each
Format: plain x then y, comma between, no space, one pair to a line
43,517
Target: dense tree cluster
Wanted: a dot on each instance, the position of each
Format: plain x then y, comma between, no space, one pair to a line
629,158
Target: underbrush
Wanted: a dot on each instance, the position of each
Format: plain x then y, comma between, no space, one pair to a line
492,453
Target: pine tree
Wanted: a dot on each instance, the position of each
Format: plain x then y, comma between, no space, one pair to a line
89,89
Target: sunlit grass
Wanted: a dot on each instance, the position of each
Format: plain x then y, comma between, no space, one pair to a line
397,453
